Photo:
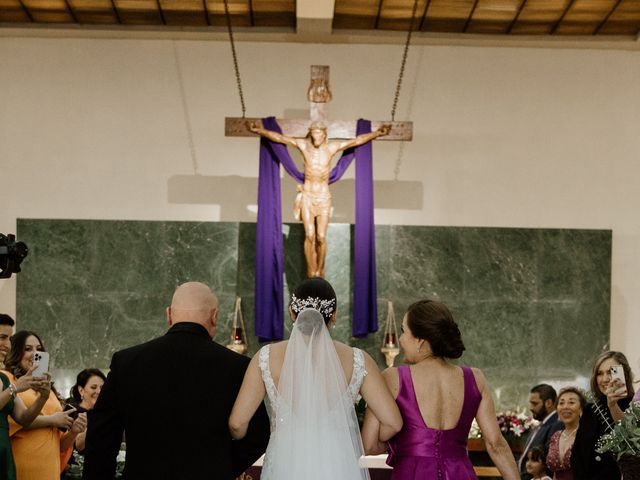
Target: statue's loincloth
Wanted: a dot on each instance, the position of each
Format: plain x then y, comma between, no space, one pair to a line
316,203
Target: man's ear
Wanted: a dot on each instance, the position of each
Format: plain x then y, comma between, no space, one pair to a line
214,316
168,312
548,405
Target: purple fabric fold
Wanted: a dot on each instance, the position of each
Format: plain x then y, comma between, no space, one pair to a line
269,302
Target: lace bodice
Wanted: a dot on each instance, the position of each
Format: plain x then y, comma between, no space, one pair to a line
353,389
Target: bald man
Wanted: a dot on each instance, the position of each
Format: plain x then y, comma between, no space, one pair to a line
172,398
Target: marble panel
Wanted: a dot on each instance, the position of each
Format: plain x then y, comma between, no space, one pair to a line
522,297
426,262
51,265
570,335
574,264
497,264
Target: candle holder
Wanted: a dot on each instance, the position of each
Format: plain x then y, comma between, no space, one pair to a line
238,341
390,347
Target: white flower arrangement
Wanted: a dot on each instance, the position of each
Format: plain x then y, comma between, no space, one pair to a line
511,423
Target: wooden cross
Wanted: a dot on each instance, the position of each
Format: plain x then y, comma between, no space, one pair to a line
319,95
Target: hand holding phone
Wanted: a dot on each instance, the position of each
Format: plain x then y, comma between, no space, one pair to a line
41,362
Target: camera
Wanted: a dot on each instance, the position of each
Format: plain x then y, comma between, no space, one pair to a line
11,255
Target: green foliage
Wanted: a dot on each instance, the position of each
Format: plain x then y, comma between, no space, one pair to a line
624,439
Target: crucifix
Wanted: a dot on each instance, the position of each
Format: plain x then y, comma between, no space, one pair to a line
319,140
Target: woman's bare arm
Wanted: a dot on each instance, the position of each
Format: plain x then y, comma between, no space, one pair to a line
380,401
497,447
249,399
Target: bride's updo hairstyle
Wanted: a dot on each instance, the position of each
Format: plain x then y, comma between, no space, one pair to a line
314,293
432,321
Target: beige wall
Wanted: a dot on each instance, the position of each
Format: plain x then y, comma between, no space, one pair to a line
514,137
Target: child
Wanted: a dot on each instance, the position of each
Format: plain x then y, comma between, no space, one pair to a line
535,464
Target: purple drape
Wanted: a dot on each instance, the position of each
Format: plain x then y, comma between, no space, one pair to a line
269,303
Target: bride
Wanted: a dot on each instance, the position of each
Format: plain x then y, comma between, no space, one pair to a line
314,429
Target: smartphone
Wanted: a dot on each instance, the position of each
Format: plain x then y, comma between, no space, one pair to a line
617,372
41,360
73,410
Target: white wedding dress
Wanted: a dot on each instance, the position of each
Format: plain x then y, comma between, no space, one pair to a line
314,429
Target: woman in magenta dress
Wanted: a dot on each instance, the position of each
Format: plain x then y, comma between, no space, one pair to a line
570,405
438,401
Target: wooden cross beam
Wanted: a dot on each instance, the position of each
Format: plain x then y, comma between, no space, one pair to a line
319,96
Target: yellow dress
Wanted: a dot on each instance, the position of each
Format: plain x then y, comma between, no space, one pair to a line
37,452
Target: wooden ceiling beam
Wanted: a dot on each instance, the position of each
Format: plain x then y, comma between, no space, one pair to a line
377,22
116,11
205,9
515,19
606,18
564,14
424,16
315,17
468,22
26,11
161,13
70,10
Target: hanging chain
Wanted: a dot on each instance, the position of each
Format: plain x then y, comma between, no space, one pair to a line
185,111
404,61
235,57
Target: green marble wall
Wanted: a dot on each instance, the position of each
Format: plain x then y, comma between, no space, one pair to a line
522,297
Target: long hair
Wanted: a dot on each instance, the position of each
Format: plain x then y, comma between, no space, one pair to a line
18,345
621,359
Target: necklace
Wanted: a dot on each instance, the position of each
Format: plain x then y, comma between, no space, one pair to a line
565,443
570,434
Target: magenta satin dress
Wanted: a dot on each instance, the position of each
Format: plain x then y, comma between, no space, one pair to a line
418,452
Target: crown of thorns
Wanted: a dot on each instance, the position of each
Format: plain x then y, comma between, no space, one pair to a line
325,307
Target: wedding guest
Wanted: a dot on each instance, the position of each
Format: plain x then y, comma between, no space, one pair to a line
85,394
312,382
438,401
570,405
173,396
42,450
611,399
11,404
542,403
6,330
535,465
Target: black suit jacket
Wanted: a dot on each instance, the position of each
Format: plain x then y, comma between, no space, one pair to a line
173,397
541,439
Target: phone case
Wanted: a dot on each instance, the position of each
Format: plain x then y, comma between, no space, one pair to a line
41,359
618,372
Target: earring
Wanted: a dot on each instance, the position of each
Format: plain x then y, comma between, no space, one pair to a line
418,350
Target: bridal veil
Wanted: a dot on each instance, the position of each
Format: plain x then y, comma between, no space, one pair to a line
315,430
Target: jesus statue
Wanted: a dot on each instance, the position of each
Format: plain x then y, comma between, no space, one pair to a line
313,201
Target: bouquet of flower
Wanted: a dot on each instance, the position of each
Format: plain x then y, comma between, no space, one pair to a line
511,423
624,439
515,423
